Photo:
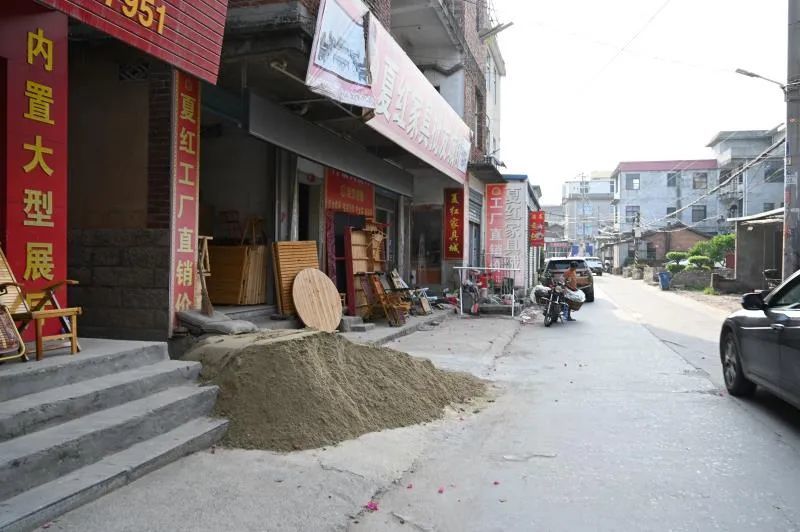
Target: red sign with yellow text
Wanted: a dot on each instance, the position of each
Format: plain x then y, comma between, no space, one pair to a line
33,175
185,188
345,193
536,228
453,223
186,34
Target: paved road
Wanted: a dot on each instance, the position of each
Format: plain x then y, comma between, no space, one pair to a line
615,422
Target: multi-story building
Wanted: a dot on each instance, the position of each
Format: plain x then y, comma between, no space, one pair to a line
758,188
588,209
655,194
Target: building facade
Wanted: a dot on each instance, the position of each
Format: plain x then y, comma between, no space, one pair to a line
654,194
588,210
756,189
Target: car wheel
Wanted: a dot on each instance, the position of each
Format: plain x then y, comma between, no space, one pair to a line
735,381
589,295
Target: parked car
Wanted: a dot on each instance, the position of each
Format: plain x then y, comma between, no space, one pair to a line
760,344
555,267
595,264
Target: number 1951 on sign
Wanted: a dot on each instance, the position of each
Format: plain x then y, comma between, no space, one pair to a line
145,12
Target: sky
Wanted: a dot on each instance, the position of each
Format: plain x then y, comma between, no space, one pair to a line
590,84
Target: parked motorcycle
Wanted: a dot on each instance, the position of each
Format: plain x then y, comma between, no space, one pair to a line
552,300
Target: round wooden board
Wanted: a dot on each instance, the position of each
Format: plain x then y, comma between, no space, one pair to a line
316,300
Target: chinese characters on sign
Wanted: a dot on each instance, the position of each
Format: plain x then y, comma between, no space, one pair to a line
185,188
185,34
536,228
453,223
496,228
345,193
412,113
34,173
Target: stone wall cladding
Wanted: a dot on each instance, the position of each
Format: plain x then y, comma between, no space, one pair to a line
692,279
124,282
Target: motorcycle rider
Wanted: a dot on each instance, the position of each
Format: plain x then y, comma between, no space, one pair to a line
571,282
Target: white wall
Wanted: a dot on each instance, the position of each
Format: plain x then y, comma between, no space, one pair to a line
450,87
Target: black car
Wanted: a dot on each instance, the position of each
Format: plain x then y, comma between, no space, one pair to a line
760,344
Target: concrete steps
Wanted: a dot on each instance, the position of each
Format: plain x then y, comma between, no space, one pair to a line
75,427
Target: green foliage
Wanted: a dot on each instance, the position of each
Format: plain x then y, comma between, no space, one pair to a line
716,248
709,291
674,268
677,256
701,262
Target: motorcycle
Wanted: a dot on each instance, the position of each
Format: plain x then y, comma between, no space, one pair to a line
552,300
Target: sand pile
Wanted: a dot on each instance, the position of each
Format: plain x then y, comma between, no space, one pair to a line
302,390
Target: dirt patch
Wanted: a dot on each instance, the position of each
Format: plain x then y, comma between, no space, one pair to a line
728,303
288,390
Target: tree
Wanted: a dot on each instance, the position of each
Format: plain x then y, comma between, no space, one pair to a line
715,249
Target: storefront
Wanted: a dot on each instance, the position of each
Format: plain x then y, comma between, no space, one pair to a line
102,135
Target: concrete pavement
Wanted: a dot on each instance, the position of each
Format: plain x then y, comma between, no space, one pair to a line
614,422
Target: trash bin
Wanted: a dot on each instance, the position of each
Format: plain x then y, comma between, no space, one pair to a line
664,278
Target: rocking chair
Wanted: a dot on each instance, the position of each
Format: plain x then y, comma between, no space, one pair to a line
35,307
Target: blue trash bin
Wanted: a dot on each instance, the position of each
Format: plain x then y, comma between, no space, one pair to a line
664,278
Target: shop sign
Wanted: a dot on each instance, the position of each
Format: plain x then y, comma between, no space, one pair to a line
339,66
507,236
186,34
411,113
345,193
453,223
34,173
185,187
371,70
495,227
536,226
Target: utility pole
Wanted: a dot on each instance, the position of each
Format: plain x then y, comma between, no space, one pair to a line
637,233
791,221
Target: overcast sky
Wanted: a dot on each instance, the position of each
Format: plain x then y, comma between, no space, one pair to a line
572,102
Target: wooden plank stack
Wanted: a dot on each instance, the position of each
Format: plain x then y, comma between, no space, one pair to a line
289,259
239,275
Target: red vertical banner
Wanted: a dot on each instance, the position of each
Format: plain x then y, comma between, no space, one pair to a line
536,228
33,172
185,189
496,227
453,224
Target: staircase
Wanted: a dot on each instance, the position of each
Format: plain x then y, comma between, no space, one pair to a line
73,428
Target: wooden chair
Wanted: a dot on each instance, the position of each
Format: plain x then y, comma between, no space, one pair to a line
12,346
36,307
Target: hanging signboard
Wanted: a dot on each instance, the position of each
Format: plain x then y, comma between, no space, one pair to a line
185,187
536,224
339,66
345,193
33,173
185,34
453,224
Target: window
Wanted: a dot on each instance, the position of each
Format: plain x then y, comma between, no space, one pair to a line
631,213
671,211
698,213
700,180
632,181
724,175
584,187
672,179
789,297
612,186
769,207
773,172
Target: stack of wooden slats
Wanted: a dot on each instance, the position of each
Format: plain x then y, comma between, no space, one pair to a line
289,259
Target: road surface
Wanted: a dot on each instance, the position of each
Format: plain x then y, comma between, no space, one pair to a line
618,421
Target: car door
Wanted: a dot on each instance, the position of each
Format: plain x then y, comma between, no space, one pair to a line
760,346
786,305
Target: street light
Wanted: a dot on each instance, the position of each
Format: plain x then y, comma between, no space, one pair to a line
749,74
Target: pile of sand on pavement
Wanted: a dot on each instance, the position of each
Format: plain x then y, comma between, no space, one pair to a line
301,390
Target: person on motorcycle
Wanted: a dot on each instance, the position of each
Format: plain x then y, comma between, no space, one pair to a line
571,282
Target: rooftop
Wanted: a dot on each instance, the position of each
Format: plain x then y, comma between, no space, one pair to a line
666,166
750,134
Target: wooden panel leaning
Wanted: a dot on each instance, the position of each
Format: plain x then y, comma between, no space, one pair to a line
289,259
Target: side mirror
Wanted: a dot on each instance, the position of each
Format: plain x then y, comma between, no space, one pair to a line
753,301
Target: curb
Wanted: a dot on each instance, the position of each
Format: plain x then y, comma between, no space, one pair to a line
410,329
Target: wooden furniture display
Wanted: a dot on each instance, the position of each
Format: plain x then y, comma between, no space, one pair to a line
239,272
11,344
393,307
289,259
316,300
365,251
203,272
36,307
